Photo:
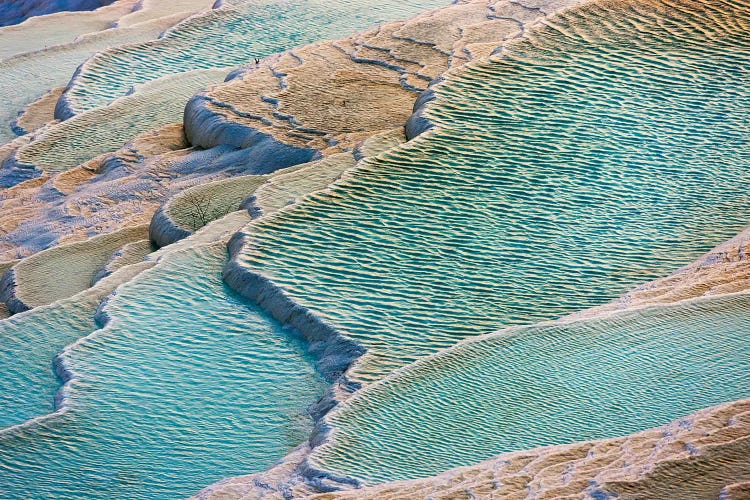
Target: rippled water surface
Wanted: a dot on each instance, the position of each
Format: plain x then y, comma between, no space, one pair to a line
233,36
545,385
194,55
26,77
28,344
608,150
108,128
185,386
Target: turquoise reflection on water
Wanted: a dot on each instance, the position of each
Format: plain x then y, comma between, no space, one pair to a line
221,39
28,344
609,149
232,37
186,385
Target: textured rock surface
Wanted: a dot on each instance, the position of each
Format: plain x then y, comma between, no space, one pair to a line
120,190
130,253
74,267
725,269
102,196
323,95
39,113
65,145
4,268
390,64
694,457
292,185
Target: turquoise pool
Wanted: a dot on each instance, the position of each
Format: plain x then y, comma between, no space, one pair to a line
195,54
545,385
590,158
232,36
185,386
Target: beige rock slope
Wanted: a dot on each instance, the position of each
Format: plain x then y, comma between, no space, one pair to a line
327,95
99,197
324,97
40,112
725,269
693,458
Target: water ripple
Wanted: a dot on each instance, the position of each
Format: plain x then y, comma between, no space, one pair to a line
598,158
184,386
543,385
230,36
587,160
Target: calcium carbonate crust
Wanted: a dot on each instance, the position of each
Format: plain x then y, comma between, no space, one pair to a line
305,479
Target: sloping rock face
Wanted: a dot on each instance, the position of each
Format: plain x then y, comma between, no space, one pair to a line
694,457
17,11
102,196
289,109
325,95
725,269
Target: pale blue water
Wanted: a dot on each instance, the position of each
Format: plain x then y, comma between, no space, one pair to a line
186,386
607,151
544,385
215,40
28,344
232,37
586,163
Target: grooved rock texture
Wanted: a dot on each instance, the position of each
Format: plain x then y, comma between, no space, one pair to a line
694,457
325,95
99,197
291,109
